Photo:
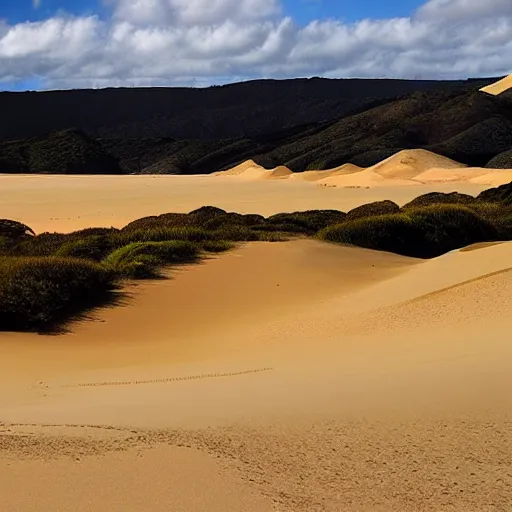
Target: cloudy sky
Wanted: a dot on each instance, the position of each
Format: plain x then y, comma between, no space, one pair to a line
48,44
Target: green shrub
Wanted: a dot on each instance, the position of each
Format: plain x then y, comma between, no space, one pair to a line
273,236
45,244
94,247
372,209
421,232
163,234
167,220
393,233
448,227
217,246
227,220
310,221
236,233
440,198
144,259
37,293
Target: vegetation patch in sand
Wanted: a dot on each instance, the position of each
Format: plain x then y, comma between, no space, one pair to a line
39,292
420,232
45,279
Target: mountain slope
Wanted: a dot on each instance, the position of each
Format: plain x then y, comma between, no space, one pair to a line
231,111
64,152
458,122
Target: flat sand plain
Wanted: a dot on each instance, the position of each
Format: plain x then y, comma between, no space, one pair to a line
295,376
67,203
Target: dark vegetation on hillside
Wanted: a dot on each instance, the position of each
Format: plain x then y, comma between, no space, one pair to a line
48,278
303,124
64,152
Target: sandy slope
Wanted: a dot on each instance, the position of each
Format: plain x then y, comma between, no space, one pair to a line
364,381
405,168
499,87
67,203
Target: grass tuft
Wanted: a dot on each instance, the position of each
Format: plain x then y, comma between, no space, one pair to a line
38,293
142,260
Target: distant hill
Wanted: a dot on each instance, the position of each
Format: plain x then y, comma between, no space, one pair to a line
64,152
303,124
224,112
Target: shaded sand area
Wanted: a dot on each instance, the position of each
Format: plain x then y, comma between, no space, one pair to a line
67,203
293,377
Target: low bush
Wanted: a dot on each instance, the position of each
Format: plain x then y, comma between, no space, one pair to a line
448,227
420,232
307,222
14,230
372,209
501,194
94,247
141,260
45,244
392,233
217,246
163,234
38,293
236,233
440,198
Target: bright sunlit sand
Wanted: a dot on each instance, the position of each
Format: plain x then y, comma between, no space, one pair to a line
67,203
293,376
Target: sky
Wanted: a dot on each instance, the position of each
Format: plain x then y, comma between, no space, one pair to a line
61,44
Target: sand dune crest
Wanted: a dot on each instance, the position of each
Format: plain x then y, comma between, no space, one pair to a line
405,168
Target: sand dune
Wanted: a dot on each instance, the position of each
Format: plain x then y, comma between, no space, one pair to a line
501,86
250,170
405,168
248,165
325,174
309,376
407,164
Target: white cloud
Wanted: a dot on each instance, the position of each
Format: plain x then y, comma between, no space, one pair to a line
193,12
213,41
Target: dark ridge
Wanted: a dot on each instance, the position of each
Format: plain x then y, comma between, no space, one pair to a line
501,161
64,152
230,111
479,143
303,124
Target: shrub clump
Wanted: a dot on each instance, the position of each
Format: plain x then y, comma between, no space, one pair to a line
14,230
141,260
94,247
440,198
373,209
391,233
449,227
307,222
421,232
37,293
163,234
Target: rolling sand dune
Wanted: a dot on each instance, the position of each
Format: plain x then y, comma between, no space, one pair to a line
497,88
407,164
323,175
292,377
405,168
